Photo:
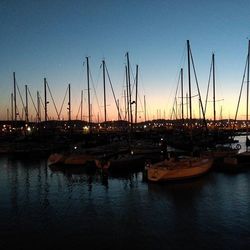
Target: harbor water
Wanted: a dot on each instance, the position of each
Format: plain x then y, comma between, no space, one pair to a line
42,208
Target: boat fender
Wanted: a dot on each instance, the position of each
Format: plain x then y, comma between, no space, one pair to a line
238,146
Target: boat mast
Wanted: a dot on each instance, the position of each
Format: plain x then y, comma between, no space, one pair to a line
26,106
186,105
45,101
136,93
129,89
15,107
12,111
145,112
38,107
214,88
189,84
89,107
81,102
127,95
248,59
125,105
69,103
118,104
182,108
104,92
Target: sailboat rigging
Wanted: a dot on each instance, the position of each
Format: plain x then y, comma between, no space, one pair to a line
181,167
211,72
188,132
246,72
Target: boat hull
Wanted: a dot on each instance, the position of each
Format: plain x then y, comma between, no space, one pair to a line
55,159
178,170
74,160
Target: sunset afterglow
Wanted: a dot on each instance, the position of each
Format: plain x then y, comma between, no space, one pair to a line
52,40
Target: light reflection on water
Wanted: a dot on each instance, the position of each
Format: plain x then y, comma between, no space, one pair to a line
41,208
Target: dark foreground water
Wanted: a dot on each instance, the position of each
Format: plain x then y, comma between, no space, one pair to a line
45,209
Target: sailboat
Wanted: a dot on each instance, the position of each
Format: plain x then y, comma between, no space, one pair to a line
183,167
244,157
131,157
76,157
246,71
178,168
247,129
218,150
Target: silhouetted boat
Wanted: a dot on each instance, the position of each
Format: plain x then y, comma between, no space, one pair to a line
243,158
246,72
220,153
122,162
239,161
81,156
132,157
236,163
71,159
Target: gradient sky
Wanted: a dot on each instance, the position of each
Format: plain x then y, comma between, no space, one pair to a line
52,38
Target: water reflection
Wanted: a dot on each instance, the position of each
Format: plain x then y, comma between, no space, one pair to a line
74,208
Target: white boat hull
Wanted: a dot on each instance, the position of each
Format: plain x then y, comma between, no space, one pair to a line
176,170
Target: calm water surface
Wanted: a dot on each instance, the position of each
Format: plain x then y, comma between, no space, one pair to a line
45,209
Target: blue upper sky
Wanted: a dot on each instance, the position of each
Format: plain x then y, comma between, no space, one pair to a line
52,38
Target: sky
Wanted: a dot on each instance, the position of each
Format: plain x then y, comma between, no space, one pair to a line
51,39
